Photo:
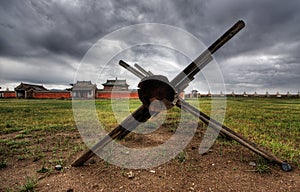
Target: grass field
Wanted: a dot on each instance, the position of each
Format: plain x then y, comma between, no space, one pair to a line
45,129
270,122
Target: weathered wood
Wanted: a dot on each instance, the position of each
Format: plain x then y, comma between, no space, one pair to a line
131,69
200,62
140,115
168,93
142,70
158,87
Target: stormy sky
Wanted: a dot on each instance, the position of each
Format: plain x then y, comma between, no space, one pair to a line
43,42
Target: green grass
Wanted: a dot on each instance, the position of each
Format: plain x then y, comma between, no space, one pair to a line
262,166
3,164
273,123
29,186
182,156
32,129
44,130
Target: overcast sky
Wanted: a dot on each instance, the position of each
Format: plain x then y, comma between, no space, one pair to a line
44,41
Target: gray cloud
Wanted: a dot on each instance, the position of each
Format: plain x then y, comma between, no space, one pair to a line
43,41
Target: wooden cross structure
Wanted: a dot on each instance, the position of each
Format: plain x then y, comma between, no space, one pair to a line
157,87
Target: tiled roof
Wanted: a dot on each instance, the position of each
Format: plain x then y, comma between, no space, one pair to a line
26,87
115,82
84,85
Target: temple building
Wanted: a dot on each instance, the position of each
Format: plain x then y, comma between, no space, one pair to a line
116,88
84,89
116,85
25,90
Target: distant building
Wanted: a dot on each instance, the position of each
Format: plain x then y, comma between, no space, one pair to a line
208,94
116,88
194,93
25,90
278,95
222,94
116,85
112,88
84,89
81,89
232,94
28,91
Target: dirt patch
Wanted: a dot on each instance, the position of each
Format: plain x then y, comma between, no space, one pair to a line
225,168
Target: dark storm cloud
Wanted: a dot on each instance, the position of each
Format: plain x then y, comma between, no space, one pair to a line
268,47
45,37
55,27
